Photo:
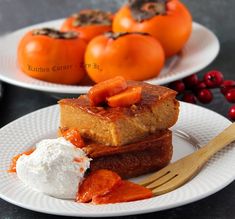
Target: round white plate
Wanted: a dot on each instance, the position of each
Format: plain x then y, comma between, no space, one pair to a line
199,122
200,51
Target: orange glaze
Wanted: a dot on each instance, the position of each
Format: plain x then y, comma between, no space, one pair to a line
72,135
80,159
151,96
12,168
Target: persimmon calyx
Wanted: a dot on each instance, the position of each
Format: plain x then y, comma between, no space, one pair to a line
56,34
92,17
146,9
116,35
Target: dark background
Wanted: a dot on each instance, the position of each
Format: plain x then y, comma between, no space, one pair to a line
218,15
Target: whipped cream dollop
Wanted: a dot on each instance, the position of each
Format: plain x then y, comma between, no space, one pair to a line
55,168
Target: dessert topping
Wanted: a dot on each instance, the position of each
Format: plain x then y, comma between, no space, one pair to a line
104,186
14,160
115,93
56,168
97,183
125,192
72,135
99,92
128,97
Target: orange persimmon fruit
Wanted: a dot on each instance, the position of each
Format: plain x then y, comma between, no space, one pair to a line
72,135
134,56
97,183
53,56
169,21
126,98
125,192
89,23
101,91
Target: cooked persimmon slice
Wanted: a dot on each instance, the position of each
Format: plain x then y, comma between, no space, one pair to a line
99,92
72,135
125,192
12,168
99,182
128,97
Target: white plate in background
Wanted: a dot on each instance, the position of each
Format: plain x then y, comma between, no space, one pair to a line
200,51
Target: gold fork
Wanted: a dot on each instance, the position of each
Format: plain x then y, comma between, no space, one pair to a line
178,173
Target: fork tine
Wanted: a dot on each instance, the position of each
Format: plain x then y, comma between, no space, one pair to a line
169,186
161,181
155,176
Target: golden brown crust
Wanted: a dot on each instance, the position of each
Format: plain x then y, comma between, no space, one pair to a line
95,150
151,154
158,110
151,95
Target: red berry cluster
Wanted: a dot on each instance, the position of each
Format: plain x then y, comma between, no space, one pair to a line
191,89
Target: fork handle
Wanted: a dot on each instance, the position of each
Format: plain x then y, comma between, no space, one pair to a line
216,144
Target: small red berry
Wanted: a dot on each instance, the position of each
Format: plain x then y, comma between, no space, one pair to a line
191,81
205,96
231,112
200,85
226,86
189,97
230,95
177,86
213,78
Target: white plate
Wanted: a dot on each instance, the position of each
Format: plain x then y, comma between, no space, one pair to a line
199,122
200,51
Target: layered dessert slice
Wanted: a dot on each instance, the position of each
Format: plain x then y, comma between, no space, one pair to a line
148,155
117,126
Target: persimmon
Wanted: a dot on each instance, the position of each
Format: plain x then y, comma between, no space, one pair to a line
125,192
101,91
14,160
89,23
53,56
128,97
169,21
72,135
97,183
134,56
104,186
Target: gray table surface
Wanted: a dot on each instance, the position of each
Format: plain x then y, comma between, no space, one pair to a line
217,15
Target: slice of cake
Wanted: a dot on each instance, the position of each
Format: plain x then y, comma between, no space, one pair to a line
151,154
116,126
